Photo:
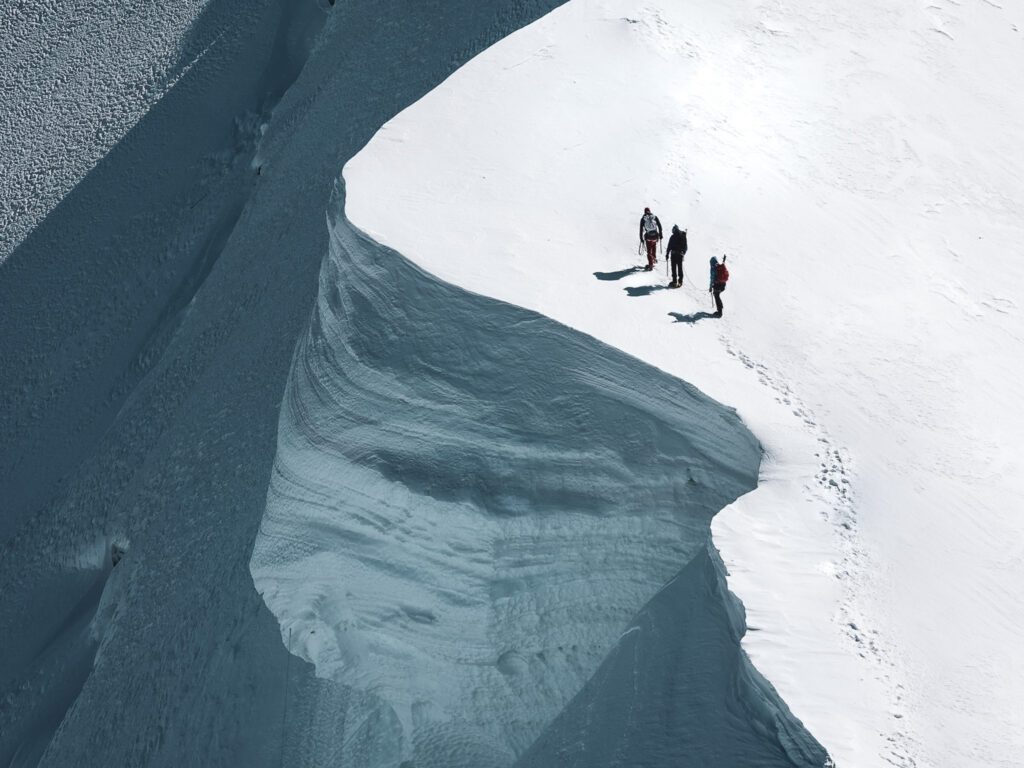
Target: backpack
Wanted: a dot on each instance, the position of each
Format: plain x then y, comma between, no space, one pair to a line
721,274
650,225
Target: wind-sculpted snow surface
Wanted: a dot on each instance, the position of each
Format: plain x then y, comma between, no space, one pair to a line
470,503
133,190
148,319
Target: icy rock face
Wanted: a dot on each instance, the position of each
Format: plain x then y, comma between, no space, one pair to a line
470,503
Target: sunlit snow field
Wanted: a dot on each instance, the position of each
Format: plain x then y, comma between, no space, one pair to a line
859,164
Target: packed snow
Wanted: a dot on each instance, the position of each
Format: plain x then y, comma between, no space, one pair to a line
463,435
858,164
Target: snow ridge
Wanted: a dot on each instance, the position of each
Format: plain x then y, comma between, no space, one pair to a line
469,504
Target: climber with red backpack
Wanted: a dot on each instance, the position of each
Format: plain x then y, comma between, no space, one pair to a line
719,277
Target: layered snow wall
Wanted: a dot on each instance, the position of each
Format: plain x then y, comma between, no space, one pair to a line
469,507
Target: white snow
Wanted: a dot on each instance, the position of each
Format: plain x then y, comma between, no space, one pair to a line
860,166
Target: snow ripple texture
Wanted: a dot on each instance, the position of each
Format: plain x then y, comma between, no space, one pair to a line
470,504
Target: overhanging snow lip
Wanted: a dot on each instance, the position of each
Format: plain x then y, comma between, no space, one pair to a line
379,317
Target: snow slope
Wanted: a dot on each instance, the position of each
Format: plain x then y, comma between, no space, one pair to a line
87,75
126,200
153,285
859,166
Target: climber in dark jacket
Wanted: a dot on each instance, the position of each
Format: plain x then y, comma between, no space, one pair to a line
676,251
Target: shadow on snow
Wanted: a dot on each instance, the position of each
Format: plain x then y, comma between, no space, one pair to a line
691,318
617,275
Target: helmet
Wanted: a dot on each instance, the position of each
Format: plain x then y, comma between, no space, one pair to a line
675,230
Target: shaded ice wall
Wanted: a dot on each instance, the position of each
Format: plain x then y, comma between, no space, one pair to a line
470,503
149,317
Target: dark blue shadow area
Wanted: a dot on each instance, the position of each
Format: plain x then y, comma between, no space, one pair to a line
691,318
149,325
618,275
49,661
93,295
643,290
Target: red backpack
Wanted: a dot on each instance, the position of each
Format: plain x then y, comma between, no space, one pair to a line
721,273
